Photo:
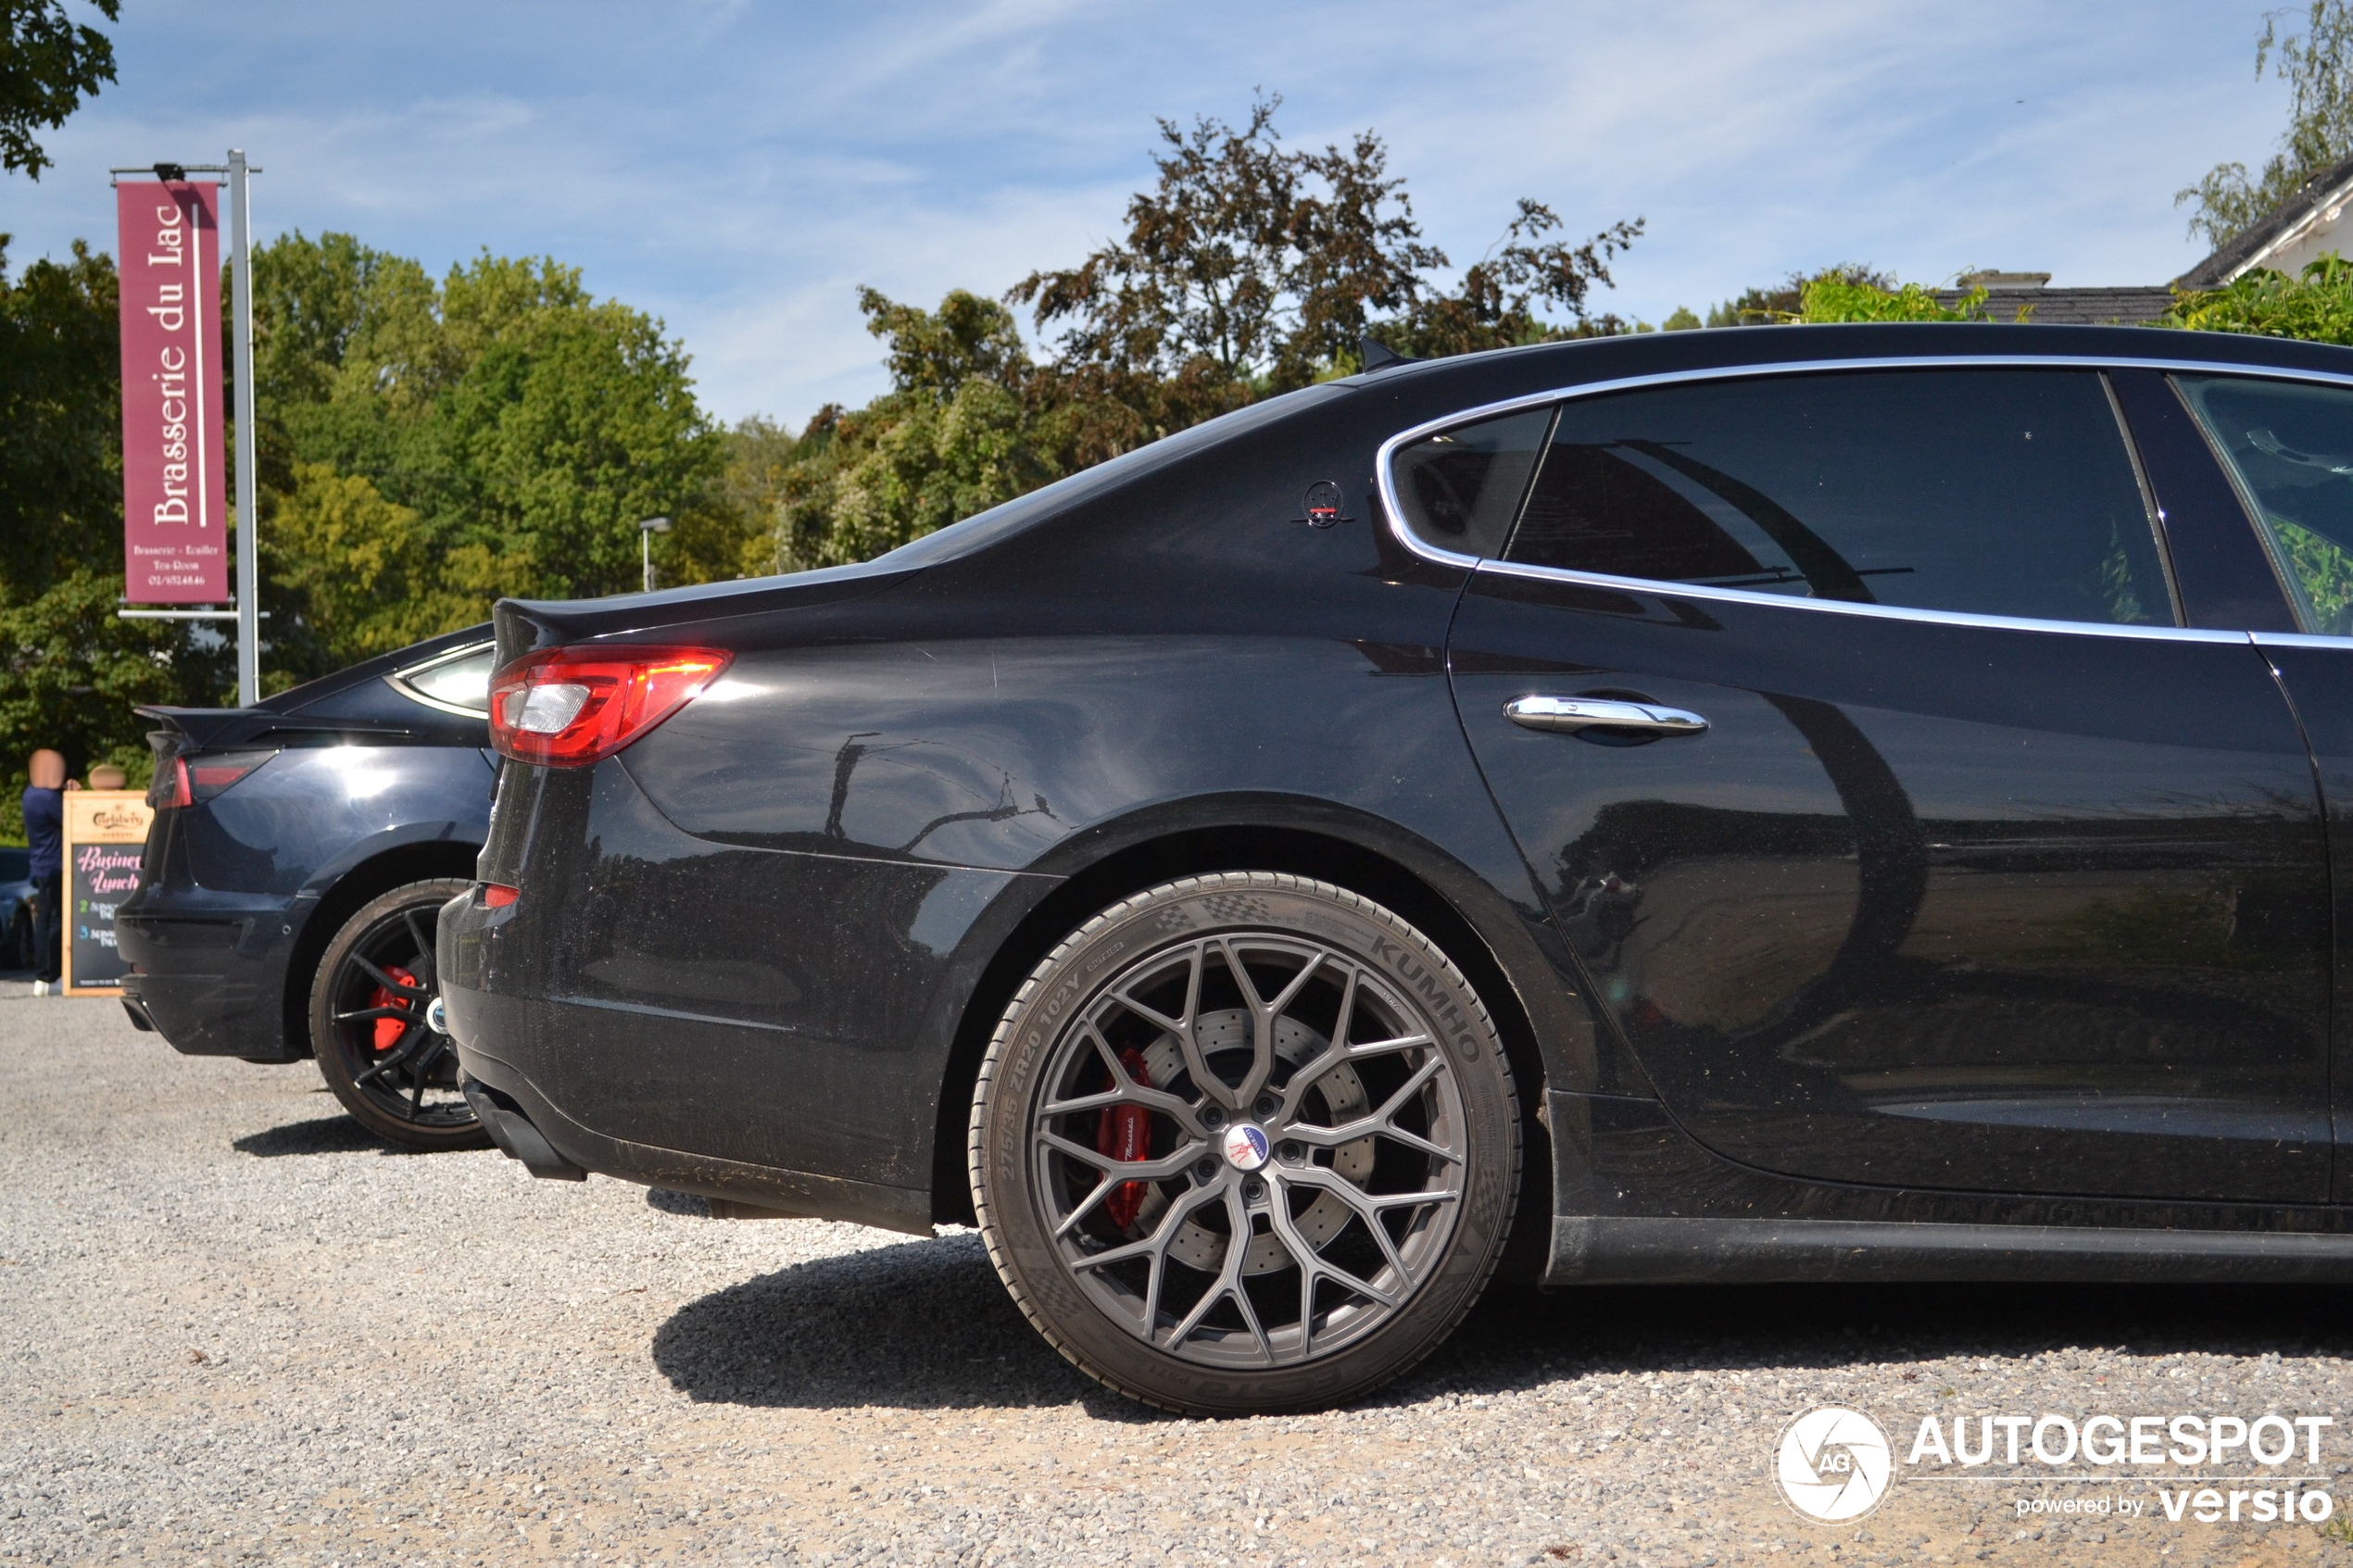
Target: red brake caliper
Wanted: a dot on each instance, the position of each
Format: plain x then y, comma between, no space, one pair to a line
388,1030
1124,1131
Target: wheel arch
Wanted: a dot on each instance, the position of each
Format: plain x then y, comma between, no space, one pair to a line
1417,881
415,861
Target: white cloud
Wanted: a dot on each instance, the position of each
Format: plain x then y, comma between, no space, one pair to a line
737,169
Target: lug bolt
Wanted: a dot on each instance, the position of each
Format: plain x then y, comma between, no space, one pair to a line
1212,1118
1252,1190
1291,1153
1204,1170
1267,1105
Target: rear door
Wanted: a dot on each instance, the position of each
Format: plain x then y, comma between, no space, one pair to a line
1899,825
2286,448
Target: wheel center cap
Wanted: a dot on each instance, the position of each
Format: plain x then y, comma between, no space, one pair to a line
1245,1145
436,1016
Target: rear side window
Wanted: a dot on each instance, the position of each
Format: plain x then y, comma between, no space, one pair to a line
1988,492
458,681
1461,488
2291,447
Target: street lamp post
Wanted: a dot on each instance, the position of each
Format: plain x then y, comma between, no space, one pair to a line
645,532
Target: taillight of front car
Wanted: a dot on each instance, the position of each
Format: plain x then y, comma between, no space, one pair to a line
191,781
566,707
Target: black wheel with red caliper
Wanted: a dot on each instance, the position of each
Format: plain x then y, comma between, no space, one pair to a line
376,1025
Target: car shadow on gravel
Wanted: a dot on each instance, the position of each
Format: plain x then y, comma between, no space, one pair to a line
925,1324
326,1134
922,1325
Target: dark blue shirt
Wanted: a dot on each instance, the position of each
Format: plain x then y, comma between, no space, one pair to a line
44,829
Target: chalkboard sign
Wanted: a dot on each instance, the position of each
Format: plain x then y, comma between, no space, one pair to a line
105,833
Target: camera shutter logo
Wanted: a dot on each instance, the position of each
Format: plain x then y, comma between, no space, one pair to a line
1835,1465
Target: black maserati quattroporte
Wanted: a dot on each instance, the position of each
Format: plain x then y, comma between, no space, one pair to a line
1796,803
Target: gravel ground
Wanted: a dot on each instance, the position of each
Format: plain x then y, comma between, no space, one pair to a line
235,1329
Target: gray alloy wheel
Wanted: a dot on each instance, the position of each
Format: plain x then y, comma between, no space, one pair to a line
1245,1142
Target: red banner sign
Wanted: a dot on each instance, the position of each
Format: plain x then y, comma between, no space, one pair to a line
175,494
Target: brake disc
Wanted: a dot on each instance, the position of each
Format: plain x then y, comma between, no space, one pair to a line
1197,1246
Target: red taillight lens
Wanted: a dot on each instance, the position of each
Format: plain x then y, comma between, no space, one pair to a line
498,895
566,707
193,781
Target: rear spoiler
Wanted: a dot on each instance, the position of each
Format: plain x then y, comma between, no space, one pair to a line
525,626
187,730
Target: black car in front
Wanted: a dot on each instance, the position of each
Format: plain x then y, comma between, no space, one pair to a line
299,857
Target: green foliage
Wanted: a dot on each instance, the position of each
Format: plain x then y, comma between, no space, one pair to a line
2317,64
2324,570
731,529
48,63
428,449
1775,303
61,407
2316,306
1684,319
1833,298
956,434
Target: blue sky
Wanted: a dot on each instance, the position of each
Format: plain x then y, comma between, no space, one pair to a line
739,168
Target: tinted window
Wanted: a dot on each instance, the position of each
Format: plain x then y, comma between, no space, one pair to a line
2292,446
1461,488
1991,492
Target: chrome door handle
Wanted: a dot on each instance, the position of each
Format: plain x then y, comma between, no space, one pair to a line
1566,715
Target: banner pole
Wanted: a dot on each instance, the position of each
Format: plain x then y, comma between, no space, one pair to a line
248,515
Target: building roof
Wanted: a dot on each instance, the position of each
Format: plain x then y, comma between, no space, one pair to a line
2135,307
2290,235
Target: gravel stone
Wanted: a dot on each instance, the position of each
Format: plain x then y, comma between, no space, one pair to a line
233,1328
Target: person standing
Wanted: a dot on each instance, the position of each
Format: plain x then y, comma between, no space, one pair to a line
45,831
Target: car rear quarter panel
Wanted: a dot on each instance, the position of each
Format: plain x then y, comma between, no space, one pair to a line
766,919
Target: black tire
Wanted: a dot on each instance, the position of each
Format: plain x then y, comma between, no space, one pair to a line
1410,1123
368,1003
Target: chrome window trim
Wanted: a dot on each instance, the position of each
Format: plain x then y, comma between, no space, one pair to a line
2299,640
398,681
1395,513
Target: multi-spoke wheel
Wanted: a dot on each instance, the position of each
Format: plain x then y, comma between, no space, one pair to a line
1245,1142
376,1026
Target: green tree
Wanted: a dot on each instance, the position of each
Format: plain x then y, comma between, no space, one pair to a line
1249,266
427,449
1502,298
61,406
968,423
730,530
48,63
2317,64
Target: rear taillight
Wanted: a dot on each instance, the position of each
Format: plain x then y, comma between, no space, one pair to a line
569,707
194,780
498,895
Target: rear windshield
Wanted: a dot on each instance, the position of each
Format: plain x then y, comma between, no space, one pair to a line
987,528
